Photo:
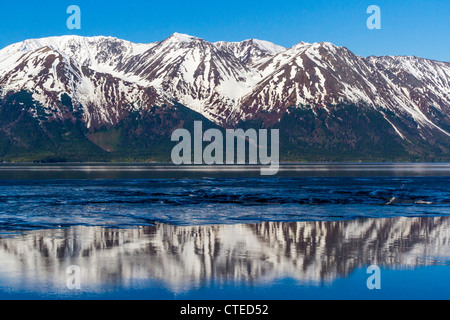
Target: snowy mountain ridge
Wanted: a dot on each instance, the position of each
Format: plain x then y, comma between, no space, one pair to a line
227,82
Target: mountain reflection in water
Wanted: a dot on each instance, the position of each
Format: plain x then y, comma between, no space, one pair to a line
188,257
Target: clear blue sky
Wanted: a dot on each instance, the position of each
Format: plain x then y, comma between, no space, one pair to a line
409,27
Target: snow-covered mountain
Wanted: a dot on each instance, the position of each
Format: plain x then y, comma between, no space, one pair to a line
228,82
251,51
83,69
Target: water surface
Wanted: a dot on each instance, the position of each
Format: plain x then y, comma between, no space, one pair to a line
165,232
269,260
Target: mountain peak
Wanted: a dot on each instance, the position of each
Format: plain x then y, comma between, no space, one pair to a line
181,37
267,46
263,45
326,45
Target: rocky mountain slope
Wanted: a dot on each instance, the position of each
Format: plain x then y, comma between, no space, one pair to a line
326,100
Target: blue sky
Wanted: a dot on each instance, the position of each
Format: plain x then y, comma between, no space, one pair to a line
420,28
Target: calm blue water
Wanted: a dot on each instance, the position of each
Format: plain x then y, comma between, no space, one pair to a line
43,204
139,232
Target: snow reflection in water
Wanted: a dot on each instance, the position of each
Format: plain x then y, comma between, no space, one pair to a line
188,257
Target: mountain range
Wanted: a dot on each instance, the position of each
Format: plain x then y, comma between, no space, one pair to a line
73,98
